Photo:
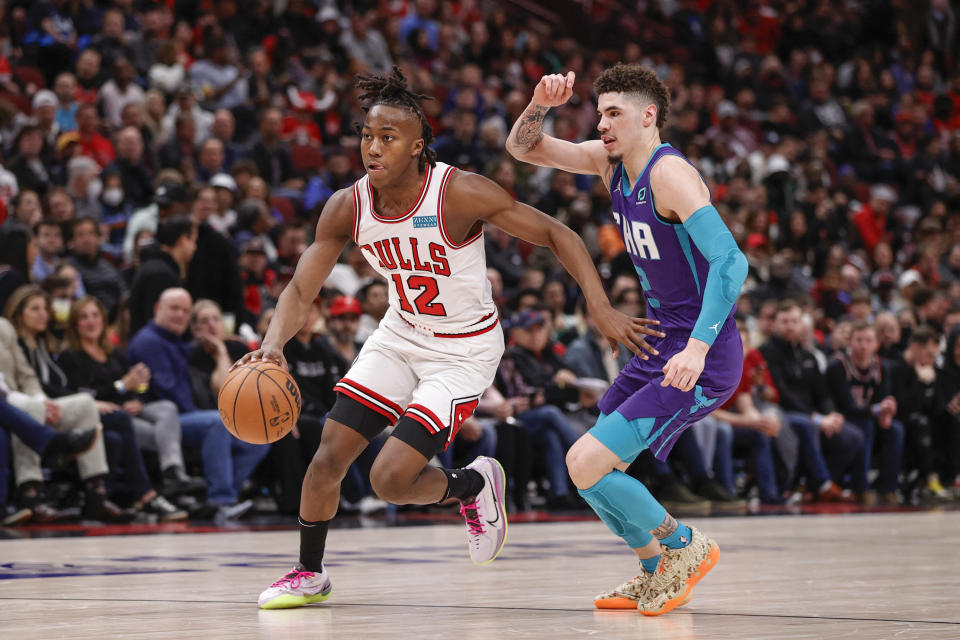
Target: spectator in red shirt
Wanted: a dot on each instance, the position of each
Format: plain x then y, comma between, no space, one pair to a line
93,144
871,220
757,429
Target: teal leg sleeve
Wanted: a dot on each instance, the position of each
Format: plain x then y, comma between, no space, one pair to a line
627,502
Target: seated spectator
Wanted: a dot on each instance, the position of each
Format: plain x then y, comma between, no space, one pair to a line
185,103
255,221
45,106
170,199
119,91
56,448
212,271
914,382
162,266
756,431
567,326
225,188
74,412
212,353
590,355
220,82
49,241
256,278
374,302
29,166
223,129
65,88
271,154
182,146
129,165
227,461
291,243
91,363
91,143
60,289
83,187
532,370
166,73
26,209
110,42
342,324
348,276
947,427
829,446
210,160
30,314
18,251
859,383
889,336
60,205
100,278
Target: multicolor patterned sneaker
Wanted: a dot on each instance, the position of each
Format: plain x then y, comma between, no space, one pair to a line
677,573
486,516
297,588
627,595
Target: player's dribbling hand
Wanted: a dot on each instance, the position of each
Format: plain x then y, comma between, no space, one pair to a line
683,369
554,90
264,353
622,329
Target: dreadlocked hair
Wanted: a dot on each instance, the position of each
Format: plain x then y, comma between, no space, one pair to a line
391,89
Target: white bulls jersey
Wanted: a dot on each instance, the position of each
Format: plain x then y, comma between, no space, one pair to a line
436,285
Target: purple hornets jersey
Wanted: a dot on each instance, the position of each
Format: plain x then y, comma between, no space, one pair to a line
672,270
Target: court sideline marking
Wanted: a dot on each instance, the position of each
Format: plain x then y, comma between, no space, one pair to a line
492,608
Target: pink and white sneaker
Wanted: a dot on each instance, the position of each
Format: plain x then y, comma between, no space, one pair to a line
296,588
486,516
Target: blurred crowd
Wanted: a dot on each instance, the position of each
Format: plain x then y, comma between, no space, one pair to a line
163,164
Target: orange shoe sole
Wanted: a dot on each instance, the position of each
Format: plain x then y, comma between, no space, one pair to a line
708,563
626,603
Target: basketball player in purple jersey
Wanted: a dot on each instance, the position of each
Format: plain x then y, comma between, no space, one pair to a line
691,271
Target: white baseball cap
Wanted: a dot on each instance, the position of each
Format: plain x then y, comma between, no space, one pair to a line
224,181
45,98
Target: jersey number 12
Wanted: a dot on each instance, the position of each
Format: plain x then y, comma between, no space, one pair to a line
425,300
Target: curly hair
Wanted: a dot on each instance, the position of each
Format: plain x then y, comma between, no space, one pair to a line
391,90
638,80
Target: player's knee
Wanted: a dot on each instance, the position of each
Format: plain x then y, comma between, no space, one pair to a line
582,467
325,470
388,482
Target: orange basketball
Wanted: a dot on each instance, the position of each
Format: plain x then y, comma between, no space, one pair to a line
259,402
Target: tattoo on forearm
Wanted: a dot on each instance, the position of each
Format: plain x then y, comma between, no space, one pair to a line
530,132
666,528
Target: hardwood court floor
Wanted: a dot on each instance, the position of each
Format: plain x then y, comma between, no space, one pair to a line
852,576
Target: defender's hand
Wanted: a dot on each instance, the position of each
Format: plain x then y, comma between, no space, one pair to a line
683,369
554,90
622,329
265,353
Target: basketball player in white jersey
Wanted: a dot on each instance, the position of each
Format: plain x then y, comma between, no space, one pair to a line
419,224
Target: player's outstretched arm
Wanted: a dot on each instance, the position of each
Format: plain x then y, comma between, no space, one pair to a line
334,230
487,201
528,143
681,195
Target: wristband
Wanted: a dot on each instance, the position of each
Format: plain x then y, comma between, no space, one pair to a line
120,387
